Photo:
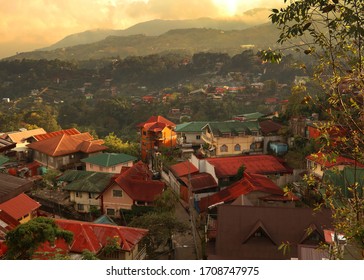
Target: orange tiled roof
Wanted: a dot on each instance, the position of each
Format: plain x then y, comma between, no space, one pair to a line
65,144
71,131
19,137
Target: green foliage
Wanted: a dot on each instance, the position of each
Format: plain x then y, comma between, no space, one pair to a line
87,255
25,239
116,145
240,173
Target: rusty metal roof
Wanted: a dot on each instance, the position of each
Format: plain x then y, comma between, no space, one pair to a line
19,206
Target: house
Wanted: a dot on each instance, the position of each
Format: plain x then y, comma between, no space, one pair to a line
252,190
318,163
190,133
6,145
20,138
134,186
84,192
157,132
22,208
65,151
95,237
186,180
108,162
44,136
226,168
11,186
257,233
231,138
248,117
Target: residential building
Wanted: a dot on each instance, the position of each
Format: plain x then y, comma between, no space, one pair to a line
12,186
65,151
84,192
95,237
318,163
190,133
21,208
251,190
232,138
258,233
108,162
157,132
7,223
134,186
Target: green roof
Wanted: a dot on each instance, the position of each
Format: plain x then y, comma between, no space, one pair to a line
190,127
233,127
73,175
105,220
95,182
108,159
3,159
252,116
345,179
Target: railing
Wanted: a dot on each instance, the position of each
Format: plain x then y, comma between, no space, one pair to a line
142,254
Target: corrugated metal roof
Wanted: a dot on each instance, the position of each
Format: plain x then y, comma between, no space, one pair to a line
200,181
109,159
190,127
94,182
255,164
94,237
137,183
19,206
249,183
11,186
328,162
183,168
19,137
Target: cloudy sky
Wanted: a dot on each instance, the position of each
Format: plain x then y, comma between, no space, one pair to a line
29,24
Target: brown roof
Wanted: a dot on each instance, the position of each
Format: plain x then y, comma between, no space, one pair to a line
65,144
255,233
19,137
269,126
11,186
200,181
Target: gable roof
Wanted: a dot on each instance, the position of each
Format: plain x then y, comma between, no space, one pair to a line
256,164
6,145
94,237
190,127
283,225
72,175
94,182
183,168
137,183
70,131
325,160
269,126
200,181
11,186
109,159
65,144
249,183
156,123
19,137
19,206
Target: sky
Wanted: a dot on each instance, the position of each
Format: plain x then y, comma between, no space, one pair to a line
26,25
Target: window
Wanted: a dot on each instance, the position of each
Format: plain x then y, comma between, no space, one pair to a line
91,195
110,212
78,194
198,137
223,148
117,193
91,165
72,156
113,168
80,207
237,148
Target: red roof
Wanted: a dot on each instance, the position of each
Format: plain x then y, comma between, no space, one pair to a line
19,206
325,161
93,237
7,223
71,131
249,183
137,183
158,119
256,164
64,144
200,181
183,168
269,126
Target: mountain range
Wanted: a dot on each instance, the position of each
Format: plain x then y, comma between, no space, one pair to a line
160,36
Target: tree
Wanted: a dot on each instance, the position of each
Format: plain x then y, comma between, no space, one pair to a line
116,145
331,32
24,240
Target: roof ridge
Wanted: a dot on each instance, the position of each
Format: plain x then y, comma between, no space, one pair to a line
59,143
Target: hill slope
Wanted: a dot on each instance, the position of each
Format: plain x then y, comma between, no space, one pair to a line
180,40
